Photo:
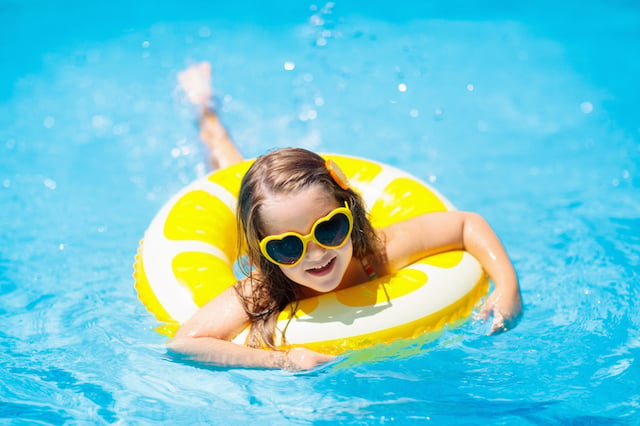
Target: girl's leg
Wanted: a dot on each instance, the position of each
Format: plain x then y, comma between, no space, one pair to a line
222,151
195,81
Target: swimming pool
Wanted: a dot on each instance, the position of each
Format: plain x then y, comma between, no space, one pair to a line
526,114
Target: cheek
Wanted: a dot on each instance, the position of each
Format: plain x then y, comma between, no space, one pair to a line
347,249
292,273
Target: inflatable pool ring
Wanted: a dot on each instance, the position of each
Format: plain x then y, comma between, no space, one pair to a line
189,254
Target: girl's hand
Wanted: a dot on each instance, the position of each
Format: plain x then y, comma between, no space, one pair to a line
195,81
298,359
505,308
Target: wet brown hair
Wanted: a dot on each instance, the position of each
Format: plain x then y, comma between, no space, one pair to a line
268,290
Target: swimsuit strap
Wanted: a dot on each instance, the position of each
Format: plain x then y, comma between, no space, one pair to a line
367,268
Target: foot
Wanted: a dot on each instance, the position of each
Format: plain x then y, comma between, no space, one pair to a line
195,81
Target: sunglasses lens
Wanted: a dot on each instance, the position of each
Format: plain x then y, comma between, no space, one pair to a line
334,231
285,251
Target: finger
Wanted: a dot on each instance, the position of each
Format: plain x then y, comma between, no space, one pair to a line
485,311
482,315
498,325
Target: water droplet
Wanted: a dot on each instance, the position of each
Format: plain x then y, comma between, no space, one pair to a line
50,183
586,107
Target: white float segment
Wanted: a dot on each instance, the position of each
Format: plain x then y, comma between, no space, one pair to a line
158,253
331,320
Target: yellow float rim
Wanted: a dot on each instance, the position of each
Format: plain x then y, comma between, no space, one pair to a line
187,255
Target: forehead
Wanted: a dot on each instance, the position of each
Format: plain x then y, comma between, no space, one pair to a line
296,211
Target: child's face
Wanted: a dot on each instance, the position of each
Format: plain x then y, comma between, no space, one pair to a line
320,269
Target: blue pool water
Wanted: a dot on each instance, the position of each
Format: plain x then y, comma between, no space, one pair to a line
525,113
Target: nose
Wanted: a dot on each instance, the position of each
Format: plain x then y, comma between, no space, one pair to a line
314,251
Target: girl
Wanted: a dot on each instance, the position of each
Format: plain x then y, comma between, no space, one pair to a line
329,245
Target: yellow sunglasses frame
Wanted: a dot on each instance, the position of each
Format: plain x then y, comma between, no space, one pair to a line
309,237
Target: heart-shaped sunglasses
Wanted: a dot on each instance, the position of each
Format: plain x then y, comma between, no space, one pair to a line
330,232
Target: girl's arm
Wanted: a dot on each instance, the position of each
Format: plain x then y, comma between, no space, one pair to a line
206,337
434,233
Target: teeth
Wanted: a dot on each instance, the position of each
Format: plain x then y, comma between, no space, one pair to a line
321,267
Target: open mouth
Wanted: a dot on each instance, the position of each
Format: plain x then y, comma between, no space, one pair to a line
324,269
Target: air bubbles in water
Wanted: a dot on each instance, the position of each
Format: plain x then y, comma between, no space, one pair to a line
50,183
181,150
310,114
316,20
100,122
121,129
586,107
